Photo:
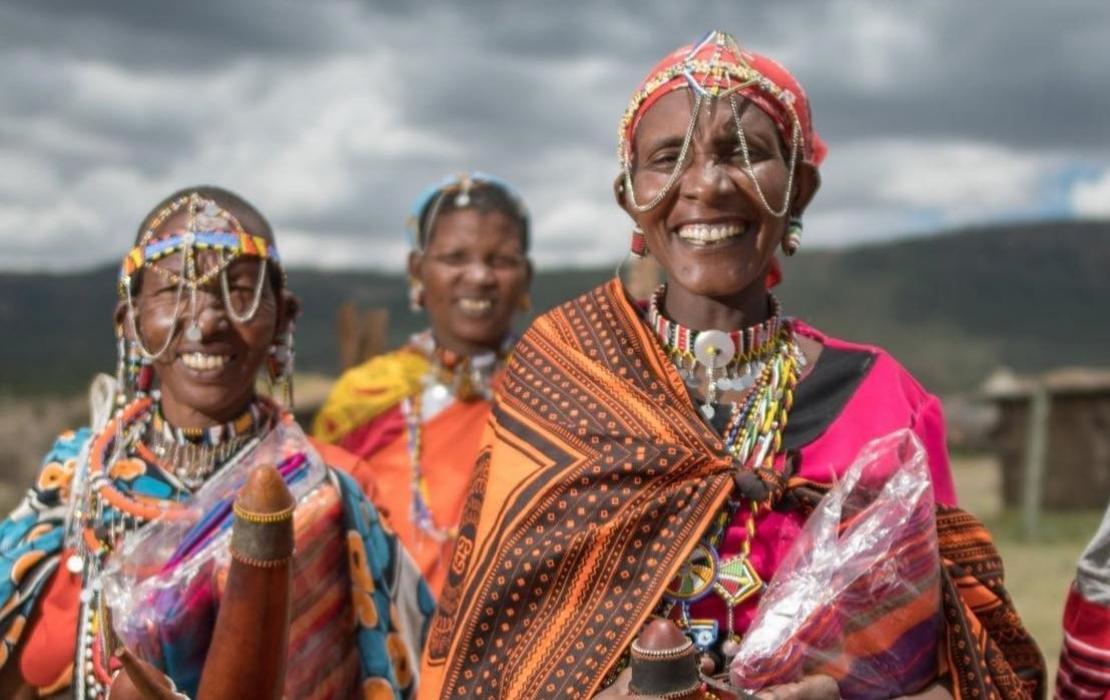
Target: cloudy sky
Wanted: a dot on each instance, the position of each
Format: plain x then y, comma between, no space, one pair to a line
331,115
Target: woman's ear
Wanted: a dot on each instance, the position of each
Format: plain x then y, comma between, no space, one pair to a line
416,258
619,192
289,308
806,183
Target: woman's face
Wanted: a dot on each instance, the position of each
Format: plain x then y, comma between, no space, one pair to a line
211,379
711,233
475,272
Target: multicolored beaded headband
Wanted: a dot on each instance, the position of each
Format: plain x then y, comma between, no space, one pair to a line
461,185
208,227
723,79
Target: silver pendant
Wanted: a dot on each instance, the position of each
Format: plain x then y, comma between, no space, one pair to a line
708,411
714,349
75,564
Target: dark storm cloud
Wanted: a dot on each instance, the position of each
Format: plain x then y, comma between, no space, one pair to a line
333,114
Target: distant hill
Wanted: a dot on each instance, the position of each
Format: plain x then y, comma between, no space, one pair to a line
950,306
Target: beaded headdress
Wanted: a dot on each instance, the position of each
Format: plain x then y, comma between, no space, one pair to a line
208,226
458,188
717,69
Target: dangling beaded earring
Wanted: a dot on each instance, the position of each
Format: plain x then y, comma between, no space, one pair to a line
525,304
639,243
279,367
416,294
792,238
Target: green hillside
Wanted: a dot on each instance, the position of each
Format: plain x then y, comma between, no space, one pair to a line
951,307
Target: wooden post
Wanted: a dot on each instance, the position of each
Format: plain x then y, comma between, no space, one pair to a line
1036,448
347,334
360,336
375,333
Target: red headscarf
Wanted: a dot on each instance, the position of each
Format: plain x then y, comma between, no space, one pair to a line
715,63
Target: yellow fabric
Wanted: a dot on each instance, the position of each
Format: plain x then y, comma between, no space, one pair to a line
366,391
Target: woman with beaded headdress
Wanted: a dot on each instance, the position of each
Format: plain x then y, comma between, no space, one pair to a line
415,415
657,458
204,311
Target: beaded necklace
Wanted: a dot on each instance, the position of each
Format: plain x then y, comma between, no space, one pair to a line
194,454
450,376
732,360
770,357
102,511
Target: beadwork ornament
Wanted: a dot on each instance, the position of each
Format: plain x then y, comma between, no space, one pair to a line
725,73
207,227
792,237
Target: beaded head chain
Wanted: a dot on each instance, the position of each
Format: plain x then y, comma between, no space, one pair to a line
716,69
457,190
208,226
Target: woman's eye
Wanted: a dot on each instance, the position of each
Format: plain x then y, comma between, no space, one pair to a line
665,158
452,258
507,261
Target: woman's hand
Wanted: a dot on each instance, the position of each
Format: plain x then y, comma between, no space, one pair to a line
808,688
138,680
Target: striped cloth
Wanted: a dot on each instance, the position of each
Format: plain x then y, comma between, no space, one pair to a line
1085,658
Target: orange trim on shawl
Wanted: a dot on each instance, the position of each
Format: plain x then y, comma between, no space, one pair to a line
596,481
450,443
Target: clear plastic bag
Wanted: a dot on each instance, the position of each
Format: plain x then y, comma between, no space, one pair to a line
857,596
162,586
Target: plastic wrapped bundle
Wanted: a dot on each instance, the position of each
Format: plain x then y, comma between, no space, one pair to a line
857,597
163,586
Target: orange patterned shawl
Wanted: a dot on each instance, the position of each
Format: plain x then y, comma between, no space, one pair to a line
596,482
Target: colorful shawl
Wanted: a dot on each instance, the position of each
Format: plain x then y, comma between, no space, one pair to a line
597,481
31,549
449,440
367,391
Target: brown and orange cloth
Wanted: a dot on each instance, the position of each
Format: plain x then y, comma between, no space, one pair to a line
598,478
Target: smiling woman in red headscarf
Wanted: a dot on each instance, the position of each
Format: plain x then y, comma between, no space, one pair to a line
633,443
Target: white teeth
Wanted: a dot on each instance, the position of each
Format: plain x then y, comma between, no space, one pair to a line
708,233
203,361
475,305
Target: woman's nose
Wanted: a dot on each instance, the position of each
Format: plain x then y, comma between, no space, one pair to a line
705,179
479,271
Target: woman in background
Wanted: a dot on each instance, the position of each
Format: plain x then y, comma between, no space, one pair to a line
204,313
415,416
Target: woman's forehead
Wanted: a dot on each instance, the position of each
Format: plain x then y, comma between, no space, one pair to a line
469,227
670,116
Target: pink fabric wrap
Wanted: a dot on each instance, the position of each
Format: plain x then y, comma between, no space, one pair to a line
887,399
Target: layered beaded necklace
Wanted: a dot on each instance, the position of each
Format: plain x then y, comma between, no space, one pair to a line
764,362
450,377
137,446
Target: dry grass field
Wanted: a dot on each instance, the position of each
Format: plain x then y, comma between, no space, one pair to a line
1038,572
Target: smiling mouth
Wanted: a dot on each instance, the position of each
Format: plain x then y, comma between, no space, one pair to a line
474,306
204,362
710,234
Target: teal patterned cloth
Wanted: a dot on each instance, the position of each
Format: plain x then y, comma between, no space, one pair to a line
31,544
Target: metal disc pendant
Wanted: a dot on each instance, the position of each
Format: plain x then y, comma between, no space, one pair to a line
75,564
708,411
192,333
714,349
